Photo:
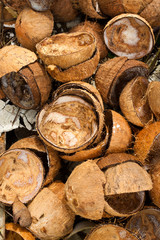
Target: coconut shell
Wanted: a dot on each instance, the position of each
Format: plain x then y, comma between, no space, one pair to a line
88,8
113,75
84,190
134,103
127,177
153,98
77,72
39,5
15,231
18,168
111,231
31,27
97,31
16,4
12,59
129,35
145,141
120,132
66,49
51,217
155,191
63,11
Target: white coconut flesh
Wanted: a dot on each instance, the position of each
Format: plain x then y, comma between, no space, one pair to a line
130,37
69,122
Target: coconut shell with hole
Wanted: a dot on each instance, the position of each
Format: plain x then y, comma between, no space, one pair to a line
129,35
134,103
31,27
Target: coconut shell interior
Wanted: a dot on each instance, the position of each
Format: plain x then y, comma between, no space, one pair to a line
129,35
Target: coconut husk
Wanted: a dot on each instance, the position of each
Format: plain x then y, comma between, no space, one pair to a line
88,8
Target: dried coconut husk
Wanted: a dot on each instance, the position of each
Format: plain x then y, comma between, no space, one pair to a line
63,11
114,158
129,35
97,31
91,8
77,72
28,88
155,191
145,224
84,190
76,133
12,59
134,103
66,49
120,135
18,168
15,231
49,156
93,151
39,5
124,189
31,27
2,94
111,232
16,4
154,98
52,219
146,146
113,75
117,7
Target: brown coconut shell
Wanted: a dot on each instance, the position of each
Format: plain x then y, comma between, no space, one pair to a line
132,180
16,4
6,16
84,190
51,217
91,8
155,191
12,59
77,72
33,143
146,146
66,49
31,27
129,35
153,98
134,103
120,134
111,231
145,224
63,11
117,7
93,151
31,87
97,31
112,76
39,5
18,168
15,231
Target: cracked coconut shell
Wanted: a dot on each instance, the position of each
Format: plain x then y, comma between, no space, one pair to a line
129,35
66,49
52,219
84,190
31,27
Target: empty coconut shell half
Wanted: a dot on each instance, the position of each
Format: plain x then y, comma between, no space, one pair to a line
134,103
125,188
129,35
48,156
112,76
146,146
111,232
22,175
15,231
72,121
145,224
66,49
